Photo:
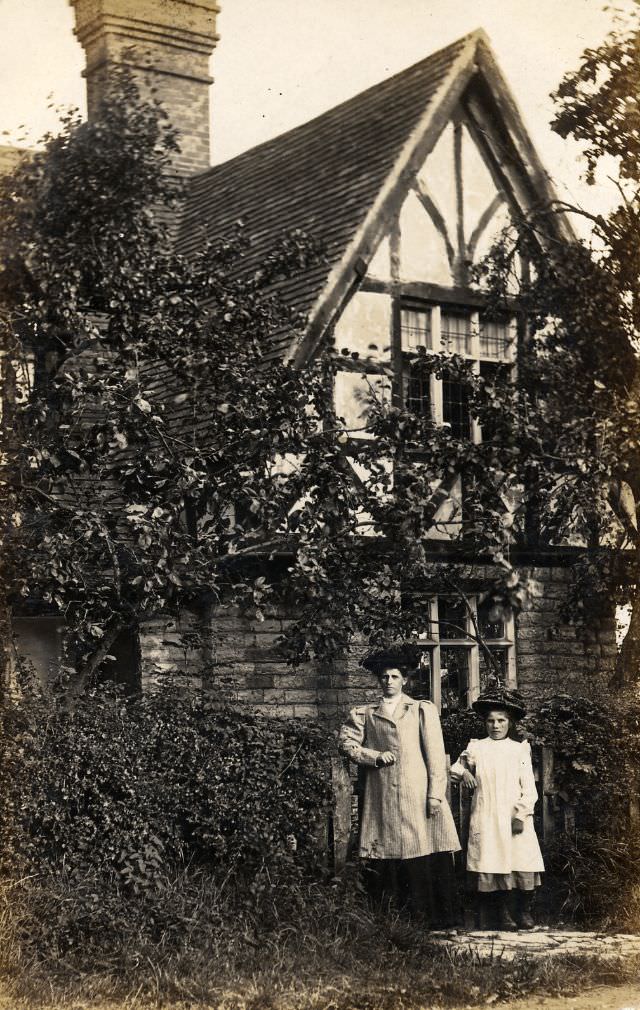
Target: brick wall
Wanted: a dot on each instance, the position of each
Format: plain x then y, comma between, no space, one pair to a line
167,45
241,662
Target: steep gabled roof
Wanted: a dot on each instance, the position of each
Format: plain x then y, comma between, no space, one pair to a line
334,176
321,177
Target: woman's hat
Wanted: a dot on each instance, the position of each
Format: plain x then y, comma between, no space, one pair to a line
405,658
497,696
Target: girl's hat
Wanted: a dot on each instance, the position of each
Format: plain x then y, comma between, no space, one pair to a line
405,658
498,696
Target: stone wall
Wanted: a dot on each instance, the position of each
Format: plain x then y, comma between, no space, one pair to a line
554,656
240,660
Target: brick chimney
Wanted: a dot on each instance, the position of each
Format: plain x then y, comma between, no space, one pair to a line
168,44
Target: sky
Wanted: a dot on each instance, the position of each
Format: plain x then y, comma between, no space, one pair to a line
281,62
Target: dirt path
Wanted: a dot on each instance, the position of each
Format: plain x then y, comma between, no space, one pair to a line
608,998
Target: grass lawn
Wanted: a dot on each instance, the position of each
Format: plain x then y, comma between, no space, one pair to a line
392,967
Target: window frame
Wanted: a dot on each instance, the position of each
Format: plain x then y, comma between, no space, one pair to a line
408,354
432,642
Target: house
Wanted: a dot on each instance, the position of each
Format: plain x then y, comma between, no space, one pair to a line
407,184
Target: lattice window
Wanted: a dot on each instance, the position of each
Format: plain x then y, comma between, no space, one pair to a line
455,666
418,390
455,406
486,343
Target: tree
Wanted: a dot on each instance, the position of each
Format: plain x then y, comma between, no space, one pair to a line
137,416
580,307
599,105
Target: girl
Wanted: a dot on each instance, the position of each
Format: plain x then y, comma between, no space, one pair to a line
503,853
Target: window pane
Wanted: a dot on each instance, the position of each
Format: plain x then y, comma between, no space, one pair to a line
455,333
488,670
452,618
421,680
419,390
489,370
490,628
454,676
455,407
415,327
494,338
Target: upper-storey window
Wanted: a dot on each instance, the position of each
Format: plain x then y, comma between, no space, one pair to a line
486,343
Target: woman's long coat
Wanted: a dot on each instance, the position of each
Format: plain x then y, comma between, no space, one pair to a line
394,821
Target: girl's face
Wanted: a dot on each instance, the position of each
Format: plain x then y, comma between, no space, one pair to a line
391,682
497,724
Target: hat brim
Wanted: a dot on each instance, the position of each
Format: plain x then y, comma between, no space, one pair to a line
486,705
404,659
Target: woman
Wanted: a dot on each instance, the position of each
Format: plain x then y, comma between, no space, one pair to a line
503,853
405,815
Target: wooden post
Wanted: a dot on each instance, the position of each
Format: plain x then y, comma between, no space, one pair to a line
547,789
342,791
465,816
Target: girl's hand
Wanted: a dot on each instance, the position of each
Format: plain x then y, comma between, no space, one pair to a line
434,807
386,758
468,780
517,826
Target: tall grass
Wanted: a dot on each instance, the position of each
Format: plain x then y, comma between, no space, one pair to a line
217,947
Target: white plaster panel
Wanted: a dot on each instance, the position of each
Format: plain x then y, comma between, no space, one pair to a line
423,253
352,394
478,187
382,484
365,326
438,174
380,264
500,220
447,523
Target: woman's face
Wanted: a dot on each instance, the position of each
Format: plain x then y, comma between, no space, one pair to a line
391,681
497,724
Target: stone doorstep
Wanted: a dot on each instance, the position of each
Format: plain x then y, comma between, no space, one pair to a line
541,942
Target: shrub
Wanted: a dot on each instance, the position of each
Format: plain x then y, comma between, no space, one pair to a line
594,858
594,747
458,727
104,804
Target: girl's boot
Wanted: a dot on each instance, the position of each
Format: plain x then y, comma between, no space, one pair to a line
484,910
525,919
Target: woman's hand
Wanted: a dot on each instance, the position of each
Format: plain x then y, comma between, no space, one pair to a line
434,807
517,826
468,780
386,758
